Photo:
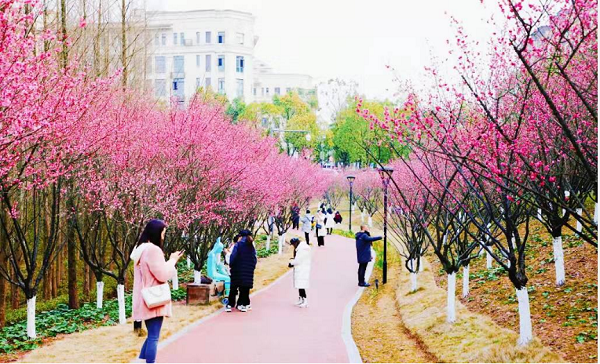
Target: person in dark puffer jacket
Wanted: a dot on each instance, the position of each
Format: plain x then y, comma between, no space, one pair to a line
242,263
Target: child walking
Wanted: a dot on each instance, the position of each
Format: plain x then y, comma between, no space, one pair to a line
301,264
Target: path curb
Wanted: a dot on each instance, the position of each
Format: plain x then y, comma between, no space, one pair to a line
351,348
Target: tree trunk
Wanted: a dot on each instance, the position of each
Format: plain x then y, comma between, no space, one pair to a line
72,262
451,308
31,318
465,290
121,301
559,260
86,281
55,278
14,294
197,276
268,243
525,331
99,293
2,301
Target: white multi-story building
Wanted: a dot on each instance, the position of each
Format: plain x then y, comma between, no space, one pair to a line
212,48
202,48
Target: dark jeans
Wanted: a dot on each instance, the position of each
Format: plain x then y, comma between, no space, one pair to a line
307,237
329,231
243,300
150,345
302,292
362,268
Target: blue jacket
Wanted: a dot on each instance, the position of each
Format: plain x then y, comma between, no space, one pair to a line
363,246
242,263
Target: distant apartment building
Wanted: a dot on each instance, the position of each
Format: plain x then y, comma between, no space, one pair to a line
212,49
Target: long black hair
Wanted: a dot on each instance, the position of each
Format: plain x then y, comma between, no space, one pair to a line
153,233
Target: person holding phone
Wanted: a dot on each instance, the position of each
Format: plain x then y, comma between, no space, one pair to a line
151,269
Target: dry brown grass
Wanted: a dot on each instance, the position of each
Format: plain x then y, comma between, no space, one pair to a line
473,338
118,344
377,327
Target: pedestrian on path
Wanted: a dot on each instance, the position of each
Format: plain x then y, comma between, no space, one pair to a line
301,264
306,221
320,228
337,218
151,269
242,263
364,241
295,217
329,221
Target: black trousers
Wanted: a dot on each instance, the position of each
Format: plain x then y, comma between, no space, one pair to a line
307,236
329,231
243,300
321,240
302,292
362,268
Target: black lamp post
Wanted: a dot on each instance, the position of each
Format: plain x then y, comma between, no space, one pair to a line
351,181
386,175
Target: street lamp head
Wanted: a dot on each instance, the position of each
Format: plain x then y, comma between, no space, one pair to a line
351,179
386,175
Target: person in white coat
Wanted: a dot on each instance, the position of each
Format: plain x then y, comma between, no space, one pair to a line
306,222
320,228
329,222
301,264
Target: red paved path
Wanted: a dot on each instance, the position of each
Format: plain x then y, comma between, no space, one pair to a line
275,330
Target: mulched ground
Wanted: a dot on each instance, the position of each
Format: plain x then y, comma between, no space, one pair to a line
564,318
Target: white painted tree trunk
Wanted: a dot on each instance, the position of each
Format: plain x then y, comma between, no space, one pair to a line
579,213
567,195
99,294
189,263
465,289
175,280
526,333
121,301
197,277
413,282
370,221
31,318
451,308
489,260
559,260
362,217
268,243
280,244
539,214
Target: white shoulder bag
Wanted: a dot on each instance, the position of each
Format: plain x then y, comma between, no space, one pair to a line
157,296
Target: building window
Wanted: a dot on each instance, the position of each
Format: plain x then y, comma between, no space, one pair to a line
160,64
221,37
197,60
208,36
254,91
160,88
221,88
262,91
277,91
208,63
288,90
221,63
239,37
239,64
174,38
178,64
240,87
267,89
156,40
197,37
207,83
164,39
198,83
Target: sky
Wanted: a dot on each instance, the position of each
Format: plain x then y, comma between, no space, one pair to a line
352,39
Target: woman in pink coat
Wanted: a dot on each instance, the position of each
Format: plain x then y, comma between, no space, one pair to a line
150,269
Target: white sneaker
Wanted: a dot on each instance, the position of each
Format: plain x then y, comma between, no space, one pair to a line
300,300
227,308
304,303
242,308
249,307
